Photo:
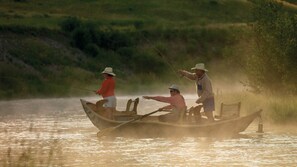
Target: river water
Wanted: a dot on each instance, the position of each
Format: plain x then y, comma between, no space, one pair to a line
56,132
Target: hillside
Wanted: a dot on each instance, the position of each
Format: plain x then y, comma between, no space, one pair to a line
39,64
40,58
125,14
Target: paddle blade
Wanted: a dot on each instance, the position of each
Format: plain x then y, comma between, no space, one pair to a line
105,132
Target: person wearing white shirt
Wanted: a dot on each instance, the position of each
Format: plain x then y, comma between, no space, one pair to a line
203,87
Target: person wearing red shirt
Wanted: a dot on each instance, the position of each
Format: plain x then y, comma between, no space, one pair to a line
177,104
107,91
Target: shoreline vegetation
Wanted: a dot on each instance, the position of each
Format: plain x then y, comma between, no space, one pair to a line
48,50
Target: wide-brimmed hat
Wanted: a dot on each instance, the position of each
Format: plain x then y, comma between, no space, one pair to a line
199,66
175,87
108,70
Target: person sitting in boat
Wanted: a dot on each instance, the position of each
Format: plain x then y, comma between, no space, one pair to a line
107,91
204,88
177,105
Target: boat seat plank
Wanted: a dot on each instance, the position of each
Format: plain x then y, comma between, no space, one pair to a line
135,104
229,110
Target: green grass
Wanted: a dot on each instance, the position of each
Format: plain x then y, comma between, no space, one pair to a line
283,110
152,13
276,109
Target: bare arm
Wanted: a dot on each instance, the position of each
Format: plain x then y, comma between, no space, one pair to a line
189,75
162,99
159,98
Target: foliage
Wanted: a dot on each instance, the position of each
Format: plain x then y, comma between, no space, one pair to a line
69,24
283,110
120,34
276,109
20,0
125,14
273,66
112,45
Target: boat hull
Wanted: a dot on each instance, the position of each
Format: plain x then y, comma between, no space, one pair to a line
228,127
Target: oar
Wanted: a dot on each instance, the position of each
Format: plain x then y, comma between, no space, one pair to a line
106,131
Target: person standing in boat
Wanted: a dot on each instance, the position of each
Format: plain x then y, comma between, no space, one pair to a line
107,90
177,105
203,87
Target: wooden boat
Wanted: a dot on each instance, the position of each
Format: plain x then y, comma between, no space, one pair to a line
151,127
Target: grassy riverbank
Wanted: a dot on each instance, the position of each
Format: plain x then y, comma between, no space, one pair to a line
276,109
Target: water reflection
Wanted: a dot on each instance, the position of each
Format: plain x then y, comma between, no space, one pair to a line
58,133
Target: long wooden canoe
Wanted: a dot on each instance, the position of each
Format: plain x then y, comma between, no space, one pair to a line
151,127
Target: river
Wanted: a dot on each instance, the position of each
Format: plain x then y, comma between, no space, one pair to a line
56,132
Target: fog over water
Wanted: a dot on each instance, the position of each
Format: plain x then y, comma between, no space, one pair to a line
56,132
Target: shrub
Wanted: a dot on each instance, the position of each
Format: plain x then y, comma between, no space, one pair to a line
138,24
114,40
273,66
145,63
70,24
81,37
92,49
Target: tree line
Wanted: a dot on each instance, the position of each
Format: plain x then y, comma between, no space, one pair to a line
272,67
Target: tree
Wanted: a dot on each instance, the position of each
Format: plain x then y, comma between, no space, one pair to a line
273,66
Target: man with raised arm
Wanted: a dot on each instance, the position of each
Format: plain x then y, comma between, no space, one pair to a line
203,87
